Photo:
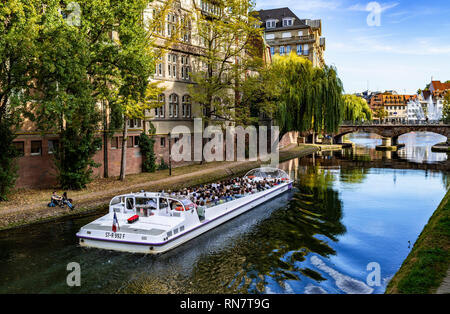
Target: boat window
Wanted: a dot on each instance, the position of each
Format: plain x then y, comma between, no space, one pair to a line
176,205
115,200
130,203
162,203
146,202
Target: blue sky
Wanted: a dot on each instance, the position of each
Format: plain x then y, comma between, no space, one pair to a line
410,45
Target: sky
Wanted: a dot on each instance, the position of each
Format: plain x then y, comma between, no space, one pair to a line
381,45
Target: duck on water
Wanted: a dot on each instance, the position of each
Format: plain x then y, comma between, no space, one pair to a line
148,222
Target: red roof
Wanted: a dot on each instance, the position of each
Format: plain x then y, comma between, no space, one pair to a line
437,85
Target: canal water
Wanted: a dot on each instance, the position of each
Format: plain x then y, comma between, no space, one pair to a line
346,228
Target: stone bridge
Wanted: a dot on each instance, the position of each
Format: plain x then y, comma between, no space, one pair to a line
391,132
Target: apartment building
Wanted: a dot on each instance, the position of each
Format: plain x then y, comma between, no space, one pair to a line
285,32
393,103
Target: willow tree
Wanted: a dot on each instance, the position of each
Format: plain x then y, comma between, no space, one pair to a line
356,109
309,97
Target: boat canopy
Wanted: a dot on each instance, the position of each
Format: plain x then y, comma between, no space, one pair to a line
267,173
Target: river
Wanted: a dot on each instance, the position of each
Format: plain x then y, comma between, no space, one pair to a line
346,228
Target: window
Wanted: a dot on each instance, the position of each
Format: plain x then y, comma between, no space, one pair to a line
160,27
282,50
286,35
53,146
288,49
172,65
173,106
130,141
271,24
115,142
162,142
160,112
160,67
36,148
20,148
186,106
185,67
306,50
134,123
272,51
270,36
299,49
136,141
186,30
171,24
300,33
288,22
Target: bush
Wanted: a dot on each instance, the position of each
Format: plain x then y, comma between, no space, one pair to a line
74,158
163,165
146,143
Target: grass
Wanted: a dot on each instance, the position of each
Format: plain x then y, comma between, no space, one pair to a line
426,266
27,206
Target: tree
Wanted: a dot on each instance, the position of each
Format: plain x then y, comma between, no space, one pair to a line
356,109
64,101
446,108
227,35
310,98
19,28
381,113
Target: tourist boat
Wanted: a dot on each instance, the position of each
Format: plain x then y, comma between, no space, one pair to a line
148,222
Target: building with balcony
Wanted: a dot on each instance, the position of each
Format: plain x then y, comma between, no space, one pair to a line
285,32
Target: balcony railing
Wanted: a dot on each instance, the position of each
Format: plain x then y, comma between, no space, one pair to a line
296,39
381,123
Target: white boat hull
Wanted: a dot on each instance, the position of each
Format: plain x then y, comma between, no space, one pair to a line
208,224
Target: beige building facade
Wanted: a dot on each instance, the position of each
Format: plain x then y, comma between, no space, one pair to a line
286,33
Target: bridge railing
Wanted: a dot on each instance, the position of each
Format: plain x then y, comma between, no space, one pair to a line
387,123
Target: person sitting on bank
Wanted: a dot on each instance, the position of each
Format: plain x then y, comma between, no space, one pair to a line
56,199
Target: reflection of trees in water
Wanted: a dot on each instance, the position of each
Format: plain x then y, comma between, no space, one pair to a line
353,174
446,180
274,248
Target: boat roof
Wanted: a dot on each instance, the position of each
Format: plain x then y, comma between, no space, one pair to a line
145,194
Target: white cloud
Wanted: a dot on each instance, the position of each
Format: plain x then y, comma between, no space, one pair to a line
299,5
365,7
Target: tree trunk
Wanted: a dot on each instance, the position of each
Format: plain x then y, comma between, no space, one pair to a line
123,165
144,121
105,142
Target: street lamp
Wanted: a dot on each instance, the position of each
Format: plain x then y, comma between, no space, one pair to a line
170,155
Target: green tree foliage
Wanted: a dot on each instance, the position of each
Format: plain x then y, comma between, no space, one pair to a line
381,113
8,168
310,98
356,109
227,37
146,144
446,108
19,28
104,59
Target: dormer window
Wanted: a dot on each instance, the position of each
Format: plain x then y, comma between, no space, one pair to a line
271,23
288,22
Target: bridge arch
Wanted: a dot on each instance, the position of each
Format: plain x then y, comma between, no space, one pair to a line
393,131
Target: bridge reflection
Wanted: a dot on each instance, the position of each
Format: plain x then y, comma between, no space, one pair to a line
363,157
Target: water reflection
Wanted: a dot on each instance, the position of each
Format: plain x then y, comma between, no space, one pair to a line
348,209
417,147
273,251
